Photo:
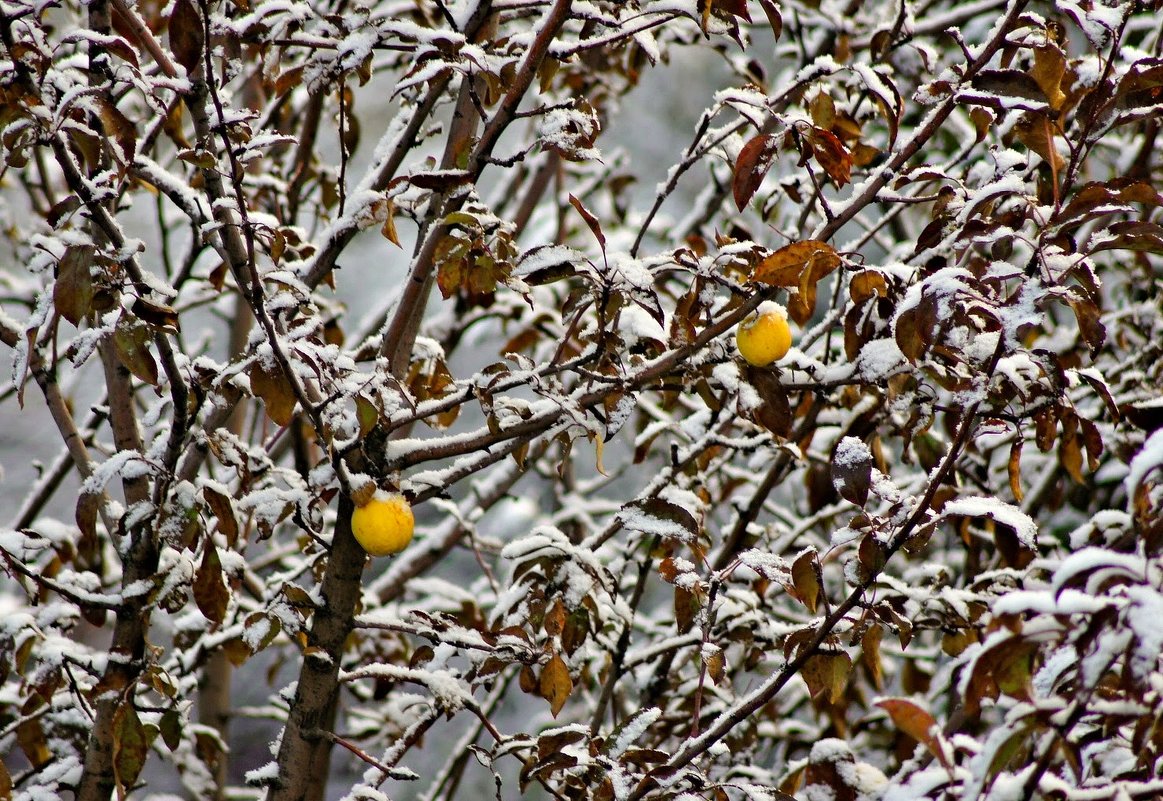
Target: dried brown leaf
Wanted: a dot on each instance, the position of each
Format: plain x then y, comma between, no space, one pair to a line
916,723
832,155
686,606
1049,67
187,35
827,673
867,284
73,290
1014,468
210,590
223,511
555,684
119,131
870,653
751,166
805,576
275,390
1036,131
788,266
592,221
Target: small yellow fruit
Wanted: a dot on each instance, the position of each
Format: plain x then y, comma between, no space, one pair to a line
384,524
764,336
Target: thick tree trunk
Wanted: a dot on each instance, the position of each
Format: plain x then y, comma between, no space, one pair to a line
304,750
98,780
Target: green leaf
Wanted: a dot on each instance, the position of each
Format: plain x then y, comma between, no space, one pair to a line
130,747
131,341
827,672
367,415
171,729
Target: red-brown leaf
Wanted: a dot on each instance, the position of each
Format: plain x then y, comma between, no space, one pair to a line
916,723
751,166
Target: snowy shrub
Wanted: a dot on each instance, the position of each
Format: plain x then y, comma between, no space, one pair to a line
265,258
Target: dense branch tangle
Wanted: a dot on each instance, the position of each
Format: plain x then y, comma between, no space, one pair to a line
643,567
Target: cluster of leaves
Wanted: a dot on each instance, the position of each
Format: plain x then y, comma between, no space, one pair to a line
920,557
